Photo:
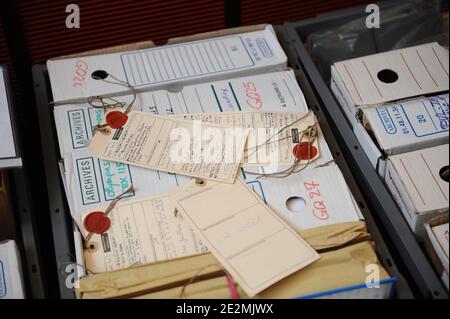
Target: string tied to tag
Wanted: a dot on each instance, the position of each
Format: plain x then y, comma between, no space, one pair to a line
304,150
270,140
114,119
105,103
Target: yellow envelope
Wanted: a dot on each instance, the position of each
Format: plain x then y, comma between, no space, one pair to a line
343,266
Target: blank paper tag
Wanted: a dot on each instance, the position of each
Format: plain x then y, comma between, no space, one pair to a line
256,246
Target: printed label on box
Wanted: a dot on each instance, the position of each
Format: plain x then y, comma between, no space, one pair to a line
431,118
88,180
410,125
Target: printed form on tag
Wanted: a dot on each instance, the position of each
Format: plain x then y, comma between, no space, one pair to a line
142,231
253,244
272,136
270,92
154,68
172,145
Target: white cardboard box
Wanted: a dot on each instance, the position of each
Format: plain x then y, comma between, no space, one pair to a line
364,83
390,76
91,182
418,184
269,92
205,57
403,127
387,287
11,283
441,234
438,237
314,198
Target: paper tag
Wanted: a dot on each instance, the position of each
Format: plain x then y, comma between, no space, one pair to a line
264,126
174,146
142,231
255,245
270,92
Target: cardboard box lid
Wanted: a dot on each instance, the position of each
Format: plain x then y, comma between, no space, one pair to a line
396,75
406,126
150,44
424,175
212,58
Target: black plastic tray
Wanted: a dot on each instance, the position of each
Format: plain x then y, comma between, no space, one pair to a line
60,215
25,216
411,259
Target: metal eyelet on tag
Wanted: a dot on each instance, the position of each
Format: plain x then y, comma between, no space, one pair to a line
311,133
102,128
200,182
105,130
92,247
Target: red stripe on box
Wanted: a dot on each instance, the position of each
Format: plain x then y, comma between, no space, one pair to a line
373,80
437,57
410,71
354,84
426,68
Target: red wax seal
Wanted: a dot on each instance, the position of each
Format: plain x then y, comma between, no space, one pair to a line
97,222
305,151
116,119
